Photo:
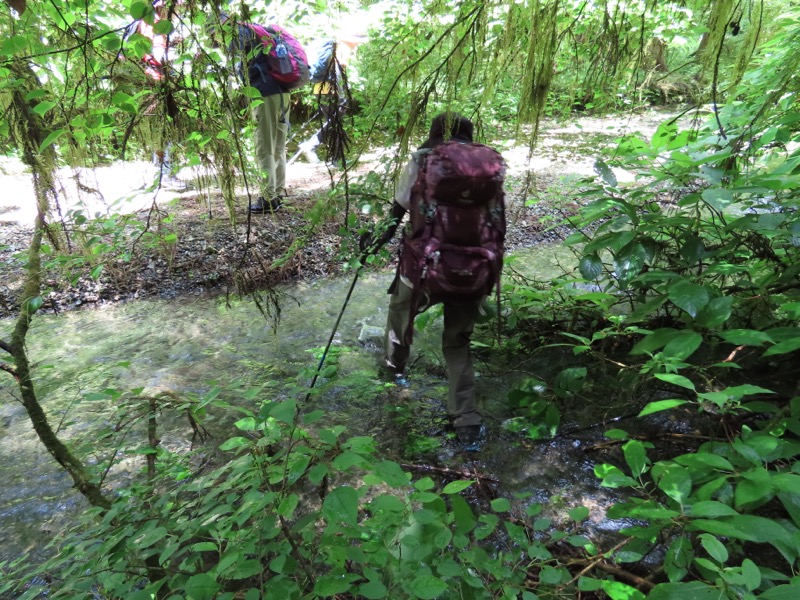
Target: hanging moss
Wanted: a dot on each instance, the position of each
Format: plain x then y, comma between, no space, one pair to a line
711,43
538,73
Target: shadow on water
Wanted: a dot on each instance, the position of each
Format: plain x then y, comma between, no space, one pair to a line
190,345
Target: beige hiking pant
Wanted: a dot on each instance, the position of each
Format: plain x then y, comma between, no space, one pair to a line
459,323
271,130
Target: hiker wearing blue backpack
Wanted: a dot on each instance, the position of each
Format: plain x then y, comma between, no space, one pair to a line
275,64
451,253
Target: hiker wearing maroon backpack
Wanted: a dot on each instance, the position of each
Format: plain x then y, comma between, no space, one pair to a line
452,253
276,65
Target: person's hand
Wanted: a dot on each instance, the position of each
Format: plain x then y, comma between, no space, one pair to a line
366,243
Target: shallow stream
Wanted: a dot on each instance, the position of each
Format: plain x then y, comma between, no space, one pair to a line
190,345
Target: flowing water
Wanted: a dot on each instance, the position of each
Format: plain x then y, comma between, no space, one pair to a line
191,345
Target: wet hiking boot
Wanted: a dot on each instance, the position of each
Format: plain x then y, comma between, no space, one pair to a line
262,206
471,436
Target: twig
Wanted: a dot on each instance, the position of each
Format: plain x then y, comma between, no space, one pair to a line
595,563
635,579
5,346
732,355
450,472
9,369
300,558
661,435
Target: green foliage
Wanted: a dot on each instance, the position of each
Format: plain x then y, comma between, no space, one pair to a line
708,508
300,510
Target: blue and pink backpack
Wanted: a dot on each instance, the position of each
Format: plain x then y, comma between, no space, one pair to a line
283,55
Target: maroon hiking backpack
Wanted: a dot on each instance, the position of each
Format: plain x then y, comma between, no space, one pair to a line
458,224
285,58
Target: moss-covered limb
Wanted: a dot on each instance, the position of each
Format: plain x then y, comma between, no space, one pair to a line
29,135
81,478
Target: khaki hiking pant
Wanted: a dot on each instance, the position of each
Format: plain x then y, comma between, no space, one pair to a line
271,130
459,323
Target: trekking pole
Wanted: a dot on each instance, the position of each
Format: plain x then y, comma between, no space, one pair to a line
333,333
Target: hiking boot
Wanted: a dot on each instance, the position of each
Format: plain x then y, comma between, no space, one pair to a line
471,436
261,206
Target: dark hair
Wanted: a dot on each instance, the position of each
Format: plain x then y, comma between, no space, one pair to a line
447,126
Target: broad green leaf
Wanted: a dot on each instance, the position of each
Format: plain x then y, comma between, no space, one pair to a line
675,379
787,482
705,461
692,590
717,312
287,507
390,472
602,169
331,584
751,574
678,558
590,267
201,587
139,9
163,27
246,424
613,477
717,198
745,337
372,590
347,460
783,347
655,340
579,513
41,108
710,509
501,505
689,296
753,489
51,139
387,503
551,575
617,590
246,569
427,587
463,515
790,591
692,249
150,537
658,406
676,483
341,506
683,345
738,392
635,456
284,411
454,487
629,262
714,547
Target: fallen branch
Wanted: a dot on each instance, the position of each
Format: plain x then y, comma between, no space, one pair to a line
600,563
660,435
450,473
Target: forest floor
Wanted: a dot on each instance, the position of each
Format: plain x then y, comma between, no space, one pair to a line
209,255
